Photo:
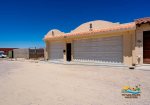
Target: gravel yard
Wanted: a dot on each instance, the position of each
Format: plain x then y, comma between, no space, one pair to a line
42,83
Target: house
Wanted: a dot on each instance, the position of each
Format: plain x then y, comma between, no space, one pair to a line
103,42
6,50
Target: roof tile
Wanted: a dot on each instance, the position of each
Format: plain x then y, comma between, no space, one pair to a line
129,26
142,20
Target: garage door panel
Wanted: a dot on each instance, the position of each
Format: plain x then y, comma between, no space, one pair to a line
56,51
112,55
100,43
101,50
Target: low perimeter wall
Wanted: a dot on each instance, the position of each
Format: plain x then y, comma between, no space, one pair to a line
21,53
28,53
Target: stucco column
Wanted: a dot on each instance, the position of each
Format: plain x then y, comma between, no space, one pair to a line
127,48
139,41
134,48
46,52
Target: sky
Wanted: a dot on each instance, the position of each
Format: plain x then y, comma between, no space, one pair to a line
24,23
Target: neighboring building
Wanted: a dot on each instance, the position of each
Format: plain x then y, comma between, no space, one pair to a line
28,53
6,50
103,42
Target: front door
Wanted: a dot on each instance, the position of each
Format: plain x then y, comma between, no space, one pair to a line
68,46
146,47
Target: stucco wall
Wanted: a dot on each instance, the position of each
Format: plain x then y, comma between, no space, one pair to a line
128,45
128,48
97,24
21,53
46,53
139,46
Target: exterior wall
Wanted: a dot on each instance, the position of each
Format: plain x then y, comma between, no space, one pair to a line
139,42
127,48
47,50
45,54
133,48
128,45
28,53
10,54
21,53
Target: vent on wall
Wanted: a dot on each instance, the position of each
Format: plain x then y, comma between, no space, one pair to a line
52,33
91,26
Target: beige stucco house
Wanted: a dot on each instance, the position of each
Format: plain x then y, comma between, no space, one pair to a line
102,42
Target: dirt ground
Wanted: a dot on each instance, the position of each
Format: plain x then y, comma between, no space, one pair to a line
30,83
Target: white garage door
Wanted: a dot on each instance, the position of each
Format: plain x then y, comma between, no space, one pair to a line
106,50
56,50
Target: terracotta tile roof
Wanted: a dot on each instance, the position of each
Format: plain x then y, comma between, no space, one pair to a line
142,20
122,27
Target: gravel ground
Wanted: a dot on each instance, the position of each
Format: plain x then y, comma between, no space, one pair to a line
30,83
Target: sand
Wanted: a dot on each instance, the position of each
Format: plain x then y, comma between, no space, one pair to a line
42,83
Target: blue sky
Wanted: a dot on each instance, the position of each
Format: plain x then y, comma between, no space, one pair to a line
23,23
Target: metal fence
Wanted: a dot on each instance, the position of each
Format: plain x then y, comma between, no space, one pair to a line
36,53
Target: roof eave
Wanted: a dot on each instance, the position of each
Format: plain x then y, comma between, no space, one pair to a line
88,34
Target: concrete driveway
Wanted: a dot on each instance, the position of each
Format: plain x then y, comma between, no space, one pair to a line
30,83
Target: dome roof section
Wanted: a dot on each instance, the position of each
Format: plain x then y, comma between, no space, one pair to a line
94,25
54,32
